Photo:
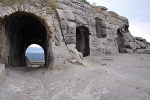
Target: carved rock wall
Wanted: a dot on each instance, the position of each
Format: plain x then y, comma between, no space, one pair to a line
72,26
12,35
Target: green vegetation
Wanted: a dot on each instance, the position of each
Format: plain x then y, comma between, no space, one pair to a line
37,63
148,43
147,52
84,1
53,4
103,64
1,1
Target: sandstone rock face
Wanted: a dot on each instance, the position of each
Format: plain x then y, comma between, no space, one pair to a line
72,31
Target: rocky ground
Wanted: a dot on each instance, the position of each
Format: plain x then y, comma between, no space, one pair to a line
115,77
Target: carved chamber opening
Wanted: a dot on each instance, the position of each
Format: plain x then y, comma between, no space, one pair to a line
100,29
22,30
82,40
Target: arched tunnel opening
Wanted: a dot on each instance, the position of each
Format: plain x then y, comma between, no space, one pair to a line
82,40
22,30
35,56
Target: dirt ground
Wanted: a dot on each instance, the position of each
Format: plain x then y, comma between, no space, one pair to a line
114,77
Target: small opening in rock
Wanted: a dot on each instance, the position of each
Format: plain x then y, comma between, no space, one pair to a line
82,40
35,56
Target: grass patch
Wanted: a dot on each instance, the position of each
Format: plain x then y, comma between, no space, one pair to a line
147,52
53,4
148,43
40,63
1,1
84,1
103,64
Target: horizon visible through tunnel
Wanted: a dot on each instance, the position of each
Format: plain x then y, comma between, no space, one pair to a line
35,56
22,30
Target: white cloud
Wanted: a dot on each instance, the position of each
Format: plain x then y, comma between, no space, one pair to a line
34,48
34,45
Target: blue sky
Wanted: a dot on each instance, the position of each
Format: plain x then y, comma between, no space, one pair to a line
137,12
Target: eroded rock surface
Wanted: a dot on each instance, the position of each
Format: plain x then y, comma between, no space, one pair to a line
92,30
129,44
116,77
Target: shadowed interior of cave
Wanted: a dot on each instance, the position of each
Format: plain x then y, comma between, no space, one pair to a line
22,30
82,40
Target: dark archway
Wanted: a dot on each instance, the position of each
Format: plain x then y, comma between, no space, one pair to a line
82,40
22,30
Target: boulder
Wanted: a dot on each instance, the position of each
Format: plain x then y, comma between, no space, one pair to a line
139,38
141,44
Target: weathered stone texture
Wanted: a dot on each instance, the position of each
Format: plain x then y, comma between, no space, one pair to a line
129,44
2,73
99,31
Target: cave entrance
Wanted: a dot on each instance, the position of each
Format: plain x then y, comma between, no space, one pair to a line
82,40
22,30
35,56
